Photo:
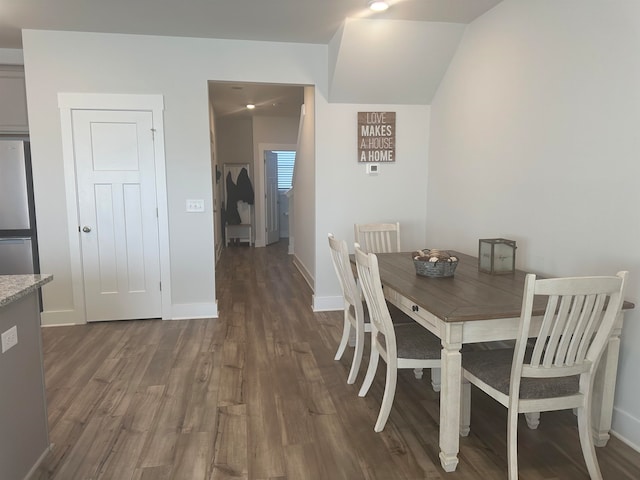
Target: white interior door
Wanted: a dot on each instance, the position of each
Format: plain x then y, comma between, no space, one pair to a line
272,233
114,155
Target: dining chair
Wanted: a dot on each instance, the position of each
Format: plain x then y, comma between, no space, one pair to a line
378,237
385,238
355,318
406,345
557,372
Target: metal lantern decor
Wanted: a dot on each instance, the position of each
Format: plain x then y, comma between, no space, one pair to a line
497,255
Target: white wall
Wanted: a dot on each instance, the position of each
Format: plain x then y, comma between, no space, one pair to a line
535,138
347,195
178,69
235,140
305,180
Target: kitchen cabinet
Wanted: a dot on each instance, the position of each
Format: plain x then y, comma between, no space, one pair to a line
24,432
13,98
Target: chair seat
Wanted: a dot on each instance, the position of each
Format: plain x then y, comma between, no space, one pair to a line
413,341
494,368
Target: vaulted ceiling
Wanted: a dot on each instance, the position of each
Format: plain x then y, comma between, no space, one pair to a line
300,21
398,56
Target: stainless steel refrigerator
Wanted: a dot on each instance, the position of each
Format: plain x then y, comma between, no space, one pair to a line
18,239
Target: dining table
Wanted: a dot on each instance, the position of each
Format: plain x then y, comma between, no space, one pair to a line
473,307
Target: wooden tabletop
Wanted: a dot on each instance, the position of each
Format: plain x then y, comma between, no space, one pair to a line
467,296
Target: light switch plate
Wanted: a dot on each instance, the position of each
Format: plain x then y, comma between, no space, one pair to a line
195,205
372,168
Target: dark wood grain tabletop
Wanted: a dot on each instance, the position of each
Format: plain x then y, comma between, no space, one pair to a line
466,296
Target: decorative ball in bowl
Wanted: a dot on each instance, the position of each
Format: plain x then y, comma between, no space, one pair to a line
434,263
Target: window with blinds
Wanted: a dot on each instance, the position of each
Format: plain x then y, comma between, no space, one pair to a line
286,162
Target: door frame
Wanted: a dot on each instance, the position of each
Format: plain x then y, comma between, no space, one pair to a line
273,157
67,103
261,213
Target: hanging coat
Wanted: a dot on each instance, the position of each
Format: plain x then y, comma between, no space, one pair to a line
233,217
244,187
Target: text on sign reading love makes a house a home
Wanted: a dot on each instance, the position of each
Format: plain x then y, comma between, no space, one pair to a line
376,137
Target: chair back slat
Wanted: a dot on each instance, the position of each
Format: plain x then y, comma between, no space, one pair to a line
577,322
342,265
572,342
378,237
593,324
570,332
369,279
547,324
557,329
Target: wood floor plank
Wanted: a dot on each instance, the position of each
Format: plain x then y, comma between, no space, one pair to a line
159,449
143,408
230,459
255,394
153,473
199,415
232,370
193,456
92,449
120,463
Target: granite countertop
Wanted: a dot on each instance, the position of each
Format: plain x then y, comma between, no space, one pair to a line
14,287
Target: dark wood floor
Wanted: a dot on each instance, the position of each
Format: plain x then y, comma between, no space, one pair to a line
256,394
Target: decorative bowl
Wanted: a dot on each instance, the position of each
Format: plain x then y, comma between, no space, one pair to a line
434,263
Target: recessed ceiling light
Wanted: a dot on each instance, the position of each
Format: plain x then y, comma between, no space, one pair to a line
250,106
378,5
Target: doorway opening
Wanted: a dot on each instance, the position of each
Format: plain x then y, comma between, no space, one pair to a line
278,183
240,136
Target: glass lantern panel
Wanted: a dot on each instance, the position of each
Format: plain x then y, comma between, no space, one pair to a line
503,261
485,256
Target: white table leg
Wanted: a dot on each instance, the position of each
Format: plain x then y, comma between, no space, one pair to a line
450,397
604,388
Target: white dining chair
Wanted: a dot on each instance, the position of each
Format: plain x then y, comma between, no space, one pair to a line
557,373
355,316
407,345
385,238
378,237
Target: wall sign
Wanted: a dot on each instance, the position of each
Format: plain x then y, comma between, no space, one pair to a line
376,137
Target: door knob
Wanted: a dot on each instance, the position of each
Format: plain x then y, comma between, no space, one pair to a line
86,229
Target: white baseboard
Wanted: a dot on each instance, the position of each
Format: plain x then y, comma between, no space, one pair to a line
626,428
179,311
57,318
183,311
305,273
328,304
